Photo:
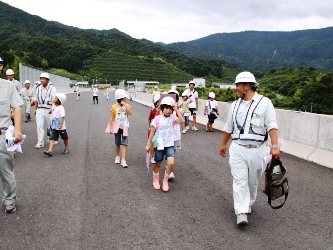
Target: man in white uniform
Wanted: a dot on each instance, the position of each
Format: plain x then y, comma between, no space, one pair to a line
10,77
95,94
251,118
10,99
43,96
27,94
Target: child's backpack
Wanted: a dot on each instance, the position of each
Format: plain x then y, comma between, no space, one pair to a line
276,182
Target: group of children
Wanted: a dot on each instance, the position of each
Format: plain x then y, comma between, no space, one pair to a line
166,120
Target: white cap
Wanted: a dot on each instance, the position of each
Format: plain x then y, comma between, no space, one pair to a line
27,82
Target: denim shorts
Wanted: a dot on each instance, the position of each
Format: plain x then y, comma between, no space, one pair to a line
120,139
186,119
167,152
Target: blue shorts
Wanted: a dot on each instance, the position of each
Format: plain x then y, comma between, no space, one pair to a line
167,152
186,118
120,139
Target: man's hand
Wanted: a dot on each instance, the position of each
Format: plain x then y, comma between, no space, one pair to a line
223,150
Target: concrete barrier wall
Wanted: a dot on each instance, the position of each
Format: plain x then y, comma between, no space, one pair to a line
305,135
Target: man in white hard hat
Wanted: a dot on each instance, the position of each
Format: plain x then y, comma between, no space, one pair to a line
43,97
250,120
27,95
10,77
10,100
193,106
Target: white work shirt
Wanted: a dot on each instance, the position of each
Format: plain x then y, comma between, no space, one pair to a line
26,94
264,114
193,95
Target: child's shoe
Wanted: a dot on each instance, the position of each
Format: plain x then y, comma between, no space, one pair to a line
165,186
117,160
156,181
48,152
171,176
152,160
184,131
187,127
123,164
66,150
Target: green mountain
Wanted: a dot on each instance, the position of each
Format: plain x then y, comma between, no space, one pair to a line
48,44
262,50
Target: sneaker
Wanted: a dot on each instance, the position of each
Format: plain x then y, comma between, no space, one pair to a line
187,127
39,145
242,219
11,208
171,176
124,164
56,142
249,211
194,129
66,150
184,131
152,160
48,153
117,160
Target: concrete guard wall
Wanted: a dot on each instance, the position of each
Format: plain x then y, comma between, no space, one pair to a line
305,135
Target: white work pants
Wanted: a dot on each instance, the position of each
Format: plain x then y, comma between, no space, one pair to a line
42,118
27,106
245,164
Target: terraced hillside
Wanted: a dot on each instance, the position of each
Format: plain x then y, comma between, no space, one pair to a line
117,66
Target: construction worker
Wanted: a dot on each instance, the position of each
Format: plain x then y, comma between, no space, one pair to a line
250,120
43,97
27,94
10,100
10,77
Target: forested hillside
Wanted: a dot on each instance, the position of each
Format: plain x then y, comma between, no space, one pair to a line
46,44
264,50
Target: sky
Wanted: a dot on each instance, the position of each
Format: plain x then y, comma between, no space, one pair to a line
171,21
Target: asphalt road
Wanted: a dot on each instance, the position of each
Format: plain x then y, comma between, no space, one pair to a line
83,200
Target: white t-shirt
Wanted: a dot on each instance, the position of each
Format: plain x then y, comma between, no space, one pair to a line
213,104
166,128
58,112
77,89
193,95
185,107
121,116
95,91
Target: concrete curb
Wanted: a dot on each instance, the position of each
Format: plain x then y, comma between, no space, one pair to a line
303,151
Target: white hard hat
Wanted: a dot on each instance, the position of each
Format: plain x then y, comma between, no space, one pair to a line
95,85
9,72
62,97
157,97
168,100
173,91
192,82
173,87
45,75
27,82
120,94
184,93
155,87
245,77
1,59
211,95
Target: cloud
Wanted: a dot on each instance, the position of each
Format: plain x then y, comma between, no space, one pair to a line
174,21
